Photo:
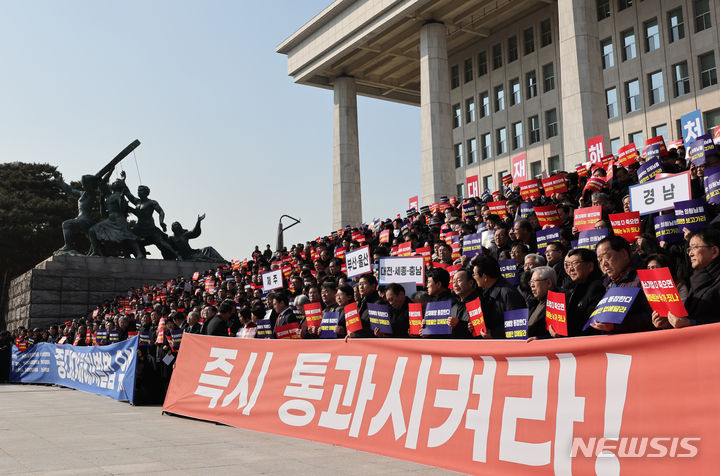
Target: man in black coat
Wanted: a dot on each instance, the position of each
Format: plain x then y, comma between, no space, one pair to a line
218,325
399,311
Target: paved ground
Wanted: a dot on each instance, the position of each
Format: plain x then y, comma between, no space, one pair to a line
50,430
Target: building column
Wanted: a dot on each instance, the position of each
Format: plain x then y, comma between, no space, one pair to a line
437,161
347,204
584,113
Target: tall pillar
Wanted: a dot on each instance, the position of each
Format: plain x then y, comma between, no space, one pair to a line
436,149
347,205
583,96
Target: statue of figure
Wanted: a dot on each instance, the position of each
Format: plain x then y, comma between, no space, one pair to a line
115,228
180,241
145,228
81,224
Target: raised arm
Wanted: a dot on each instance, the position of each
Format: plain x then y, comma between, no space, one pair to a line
196,231
65,187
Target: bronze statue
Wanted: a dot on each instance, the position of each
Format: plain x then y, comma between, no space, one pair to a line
81,224
145,229
180,241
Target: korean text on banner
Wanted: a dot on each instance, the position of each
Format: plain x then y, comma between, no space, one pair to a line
328,325
585,218
413,203
415,317
508,269
595,149
472,245
626,225
556,313
401,270
103,370
379,316
590,238
530,189
472,186
358,262
546,236
313,314
691,214
627,155
516,324
666,228
554,184
498,208
548,215
660,194
614,306
476,318
518,170
436,317
272,280
648,170
691,126
352,318
661,293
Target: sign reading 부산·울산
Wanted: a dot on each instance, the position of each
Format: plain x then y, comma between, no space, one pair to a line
358,262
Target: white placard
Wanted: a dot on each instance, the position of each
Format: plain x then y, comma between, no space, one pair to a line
358,262
272,280
401,270
660,194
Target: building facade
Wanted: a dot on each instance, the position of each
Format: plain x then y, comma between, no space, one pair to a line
498,79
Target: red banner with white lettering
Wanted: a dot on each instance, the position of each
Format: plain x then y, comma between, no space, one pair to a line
498,208
472,186
518,170
585,218
626,225
555,313
554,184
530,189
548,215
661,292
498,408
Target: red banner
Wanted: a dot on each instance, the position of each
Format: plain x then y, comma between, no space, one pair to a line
581,170
352,318
472,186
413,203
555,313
595,149
507,180
661,293
554,184
498,208
415,316
530,189
518,170
385,236
627,155
548,215
405,249
499,408
626,225
476,317
313,313
585,218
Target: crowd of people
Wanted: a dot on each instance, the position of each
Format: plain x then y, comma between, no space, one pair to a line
230,300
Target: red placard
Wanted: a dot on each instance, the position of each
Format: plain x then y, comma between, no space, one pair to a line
352,318
606,161
555,313
499,208
627,155
626,225
657,140
530,189
404,249
476,318
196,276
595,148
581,170
340,252
585,218
507,180
548,215
661,292
595,184
415,315
455,246
426,253
472,186
313,314
288,331
413,203
554,184
519,173
385,236
358,236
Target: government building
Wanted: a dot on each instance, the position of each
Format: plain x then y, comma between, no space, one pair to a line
497,79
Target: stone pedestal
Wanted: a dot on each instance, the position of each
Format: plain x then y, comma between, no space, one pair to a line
67,287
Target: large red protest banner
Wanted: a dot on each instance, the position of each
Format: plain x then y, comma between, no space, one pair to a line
472,186
497,408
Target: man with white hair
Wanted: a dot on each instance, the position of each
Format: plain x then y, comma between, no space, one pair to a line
533,260
543,280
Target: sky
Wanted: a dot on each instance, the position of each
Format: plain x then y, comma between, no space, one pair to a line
223,128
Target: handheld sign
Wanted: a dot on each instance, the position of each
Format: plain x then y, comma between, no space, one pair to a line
472,245
358,262
436,317
548,216
405,249
272,280
530,189
661,292
379,316
691,214
546,236
516,324
385,236
472,186
176,337
648,170
415,316
554,184
585,218
498,208
660,194
475,315
508,269
712,187
352,318
196,276
518,170
590,238
692,126
288,331
614,306
666,228
596,150
313,314
327,327
413,203
626,225
555,313
143,339
264,329
247,333
401,270
627,155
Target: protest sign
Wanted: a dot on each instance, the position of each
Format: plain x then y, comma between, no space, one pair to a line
530,189
525,209
401,270
340,252
415,316
508,269
660,194
476,318
581,170
264,329
379,316
272,280
250,333
585,218
516,324
358,262
627,155
426,253
595,149
691,214
196,275
649,169
313,314
614,306
548,215
518,170
661,292
405,249
472,245
653,151
413,203
626,225
468,210
507,180
701,148
691,126
328,324
590,238
385,236
498,208
472,186
555,313
546,236
288,331
712,187
436,317
666,228
554,184
352,318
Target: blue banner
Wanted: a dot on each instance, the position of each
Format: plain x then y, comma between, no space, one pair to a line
614,306
691,126
379,315
103,370
590,238
472,245
508,268
436,316
516,324
546,236
328,324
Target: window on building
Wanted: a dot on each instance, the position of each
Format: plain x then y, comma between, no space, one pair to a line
512,49
652,35
461,190
468,70
488,183
702,15
681,78
548,77
471,151
678,128
458,156
614,145
636,138
611,102
628,42
454,77
545,33
676,26
469,110
661,130
603,9
515,94
535,169
533,129
482,63
632,96
501,141
551,126
531,81
623,4
554,163
708,73
499,98
457,114
608,61
486,144
657,90
528,41
711,120
517,135
497,55
484,104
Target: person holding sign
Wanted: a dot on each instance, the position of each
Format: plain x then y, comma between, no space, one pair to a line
345,295
543,279
281,305
368,294
585,289
399,311
498,293
466,290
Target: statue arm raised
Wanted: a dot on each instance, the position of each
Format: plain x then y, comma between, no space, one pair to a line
161,215
196,231
65,187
